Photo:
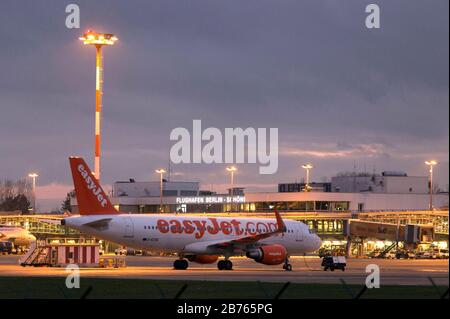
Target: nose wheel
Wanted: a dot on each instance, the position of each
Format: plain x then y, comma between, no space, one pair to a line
225,265
180,264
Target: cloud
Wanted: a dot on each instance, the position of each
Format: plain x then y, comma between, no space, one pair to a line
53,191
51,196
362,150
338,93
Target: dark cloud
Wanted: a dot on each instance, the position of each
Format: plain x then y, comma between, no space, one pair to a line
310,68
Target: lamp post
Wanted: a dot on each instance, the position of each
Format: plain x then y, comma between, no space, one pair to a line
431,164
98,40
34,176
232,169
307,166
160,172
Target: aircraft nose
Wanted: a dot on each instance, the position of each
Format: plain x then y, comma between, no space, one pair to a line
317,242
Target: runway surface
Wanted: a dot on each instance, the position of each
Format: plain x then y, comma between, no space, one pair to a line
305,270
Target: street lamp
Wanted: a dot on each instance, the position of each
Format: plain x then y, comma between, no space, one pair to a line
232,169
431,164
307,166
34,176
160,171
98,40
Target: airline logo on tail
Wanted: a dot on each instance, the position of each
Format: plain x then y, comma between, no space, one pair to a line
97,191
91,198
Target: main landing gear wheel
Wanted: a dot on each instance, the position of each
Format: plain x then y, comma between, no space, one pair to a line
287,267
180,264
225,265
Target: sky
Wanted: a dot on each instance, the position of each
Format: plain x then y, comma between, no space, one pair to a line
342,96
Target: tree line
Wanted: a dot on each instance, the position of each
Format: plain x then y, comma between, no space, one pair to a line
15,195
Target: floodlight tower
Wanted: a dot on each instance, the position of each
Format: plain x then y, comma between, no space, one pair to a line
160,171
232,169
34,176
98,40
308,167
431,164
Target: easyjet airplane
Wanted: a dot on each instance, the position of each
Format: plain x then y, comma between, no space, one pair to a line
194,238
19,236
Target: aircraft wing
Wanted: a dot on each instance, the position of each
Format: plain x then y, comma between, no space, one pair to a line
238,241
244,240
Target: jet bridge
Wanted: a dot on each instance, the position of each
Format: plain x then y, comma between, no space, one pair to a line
409,234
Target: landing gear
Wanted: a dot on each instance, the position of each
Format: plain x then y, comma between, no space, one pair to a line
180,264
225,265
287,266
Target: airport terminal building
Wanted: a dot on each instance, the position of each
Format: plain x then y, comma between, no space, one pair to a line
283,202
325,212
391,193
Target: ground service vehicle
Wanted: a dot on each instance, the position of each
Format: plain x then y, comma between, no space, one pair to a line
334,262
6,247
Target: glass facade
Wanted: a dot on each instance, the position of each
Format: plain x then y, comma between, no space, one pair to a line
297,206
325,226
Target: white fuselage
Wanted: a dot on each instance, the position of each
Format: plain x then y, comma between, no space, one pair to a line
17,235
190,234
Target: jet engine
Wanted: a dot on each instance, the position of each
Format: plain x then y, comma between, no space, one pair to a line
203,259
268,255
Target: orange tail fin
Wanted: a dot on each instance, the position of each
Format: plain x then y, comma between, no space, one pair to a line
91,198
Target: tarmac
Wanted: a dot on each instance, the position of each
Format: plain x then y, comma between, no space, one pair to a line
305,270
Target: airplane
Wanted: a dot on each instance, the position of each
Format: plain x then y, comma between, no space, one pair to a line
19,236
198,239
